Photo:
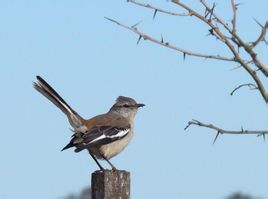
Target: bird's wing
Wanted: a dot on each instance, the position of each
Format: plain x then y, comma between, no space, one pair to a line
97,136
100,135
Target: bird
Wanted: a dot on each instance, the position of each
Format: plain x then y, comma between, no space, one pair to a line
103,136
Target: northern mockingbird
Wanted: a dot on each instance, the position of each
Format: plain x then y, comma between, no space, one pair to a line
104,136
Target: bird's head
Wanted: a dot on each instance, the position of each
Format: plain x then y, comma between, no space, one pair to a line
126,106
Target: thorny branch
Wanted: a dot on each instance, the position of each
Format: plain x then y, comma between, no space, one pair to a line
157,9
231,39
228,44
262,35
237,40
168,45
215,31
223,131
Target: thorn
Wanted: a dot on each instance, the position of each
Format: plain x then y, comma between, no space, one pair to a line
218,133
206,13
139,39
155,11
212,10
235,6
211,32
238,4
263,135
237,67
258,23
136,24
162,40
184,56
214,5
242,130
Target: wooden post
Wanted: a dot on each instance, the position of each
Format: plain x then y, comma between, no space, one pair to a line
110,184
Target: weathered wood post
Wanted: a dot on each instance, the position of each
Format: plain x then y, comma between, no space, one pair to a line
110,184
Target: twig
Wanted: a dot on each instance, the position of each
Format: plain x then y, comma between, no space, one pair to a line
234,8
251,87
218,19
210,12
168,45
157,9
262,34
223,131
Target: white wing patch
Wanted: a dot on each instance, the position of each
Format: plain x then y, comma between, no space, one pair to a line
118,135
121,133
98,138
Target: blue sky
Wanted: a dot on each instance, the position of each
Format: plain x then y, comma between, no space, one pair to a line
90,62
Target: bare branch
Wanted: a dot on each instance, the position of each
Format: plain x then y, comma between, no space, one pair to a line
231,47
168,45
223,131
219,35
157,9
251,87
234,7
262,34
226,33
263,68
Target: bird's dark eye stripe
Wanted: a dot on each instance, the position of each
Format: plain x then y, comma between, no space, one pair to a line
125,105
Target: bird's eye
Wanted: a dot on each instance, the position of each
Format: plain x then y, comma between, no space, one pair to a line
126,105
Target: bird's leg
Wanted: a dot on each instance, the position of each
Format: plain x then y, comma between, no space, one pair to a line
113,167
101,168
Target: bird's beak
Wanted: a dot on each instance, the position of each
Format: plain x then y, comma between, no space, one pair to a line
140,105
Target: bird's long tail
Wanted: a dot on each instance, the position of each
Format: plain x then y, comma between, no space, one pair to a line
45,89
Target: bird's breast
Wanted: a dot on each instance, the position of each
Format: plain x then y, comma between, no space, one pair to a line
112,149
